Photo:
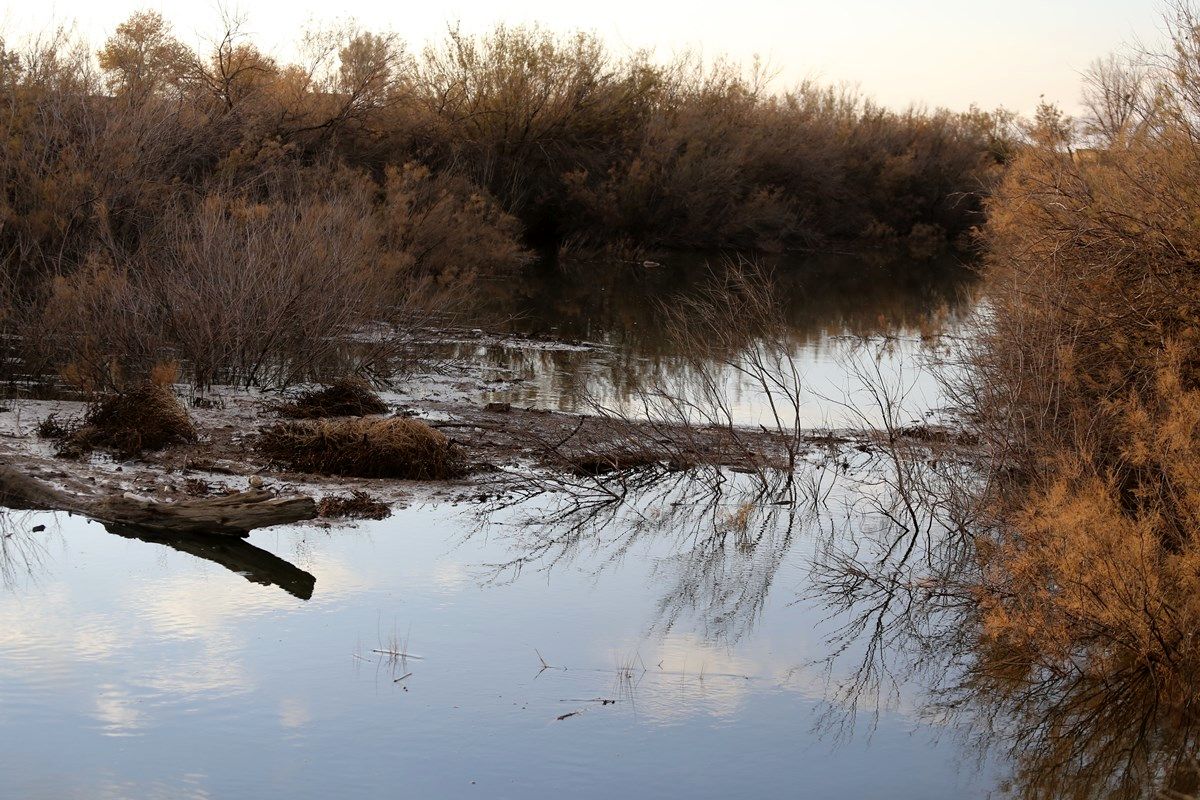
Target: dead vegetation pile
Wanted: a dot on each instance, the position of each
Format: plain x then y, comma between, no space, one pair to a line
604,461
395,447
356,505
347,397
145,417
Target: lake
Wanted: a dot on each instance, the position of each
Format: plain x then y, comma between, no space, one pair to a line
660,647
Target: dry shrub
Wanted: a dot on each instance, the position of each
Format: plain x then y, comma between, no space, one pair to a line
356,505
267,292
54,428
395,447
257,292
92,329
140,418
347,397
446,229
1085,388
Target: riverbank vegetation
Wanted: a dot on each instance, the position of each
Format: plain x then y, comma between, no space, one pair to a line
1054,567
227,210
248,220
1086,379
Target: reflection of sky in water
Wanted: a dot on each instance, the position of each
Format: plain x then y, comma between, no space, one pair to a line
573,381
830,303
130,669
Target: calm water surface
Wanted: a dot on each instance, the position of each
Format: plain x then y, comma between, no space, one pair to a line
649,654
130,669
834,304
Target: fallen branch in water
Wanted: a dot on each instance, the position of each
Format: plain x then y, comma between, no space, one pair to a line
230,515
397,654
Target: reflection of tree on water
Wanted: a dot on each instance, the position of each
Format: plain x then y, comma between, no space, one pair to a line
725,535
22,551
622,306
1080,716
928,590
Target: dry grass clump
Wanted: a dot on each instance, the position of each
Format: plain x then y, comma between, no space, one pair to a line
356,505
347,397
54,428
395,447
145,417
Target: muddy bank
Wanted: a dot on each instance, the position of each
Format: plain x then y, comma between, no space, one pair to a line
495,443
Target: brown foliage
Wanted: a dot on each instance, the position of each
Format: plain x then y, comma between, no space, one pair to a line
457,144
347,397
1085,390
144,417
395,447
265,292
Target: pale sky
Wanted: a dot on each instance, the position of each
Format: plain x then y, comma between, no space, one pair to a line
936,52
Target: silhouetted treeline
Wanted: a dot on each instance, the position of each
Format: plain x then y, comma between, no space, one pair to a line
583,148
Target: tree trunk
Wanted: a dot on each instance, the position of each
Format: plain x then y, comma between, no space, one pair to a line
229,515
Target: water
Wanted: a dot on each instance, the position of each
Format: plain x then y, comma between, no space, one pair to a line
833,304
652,650
151,672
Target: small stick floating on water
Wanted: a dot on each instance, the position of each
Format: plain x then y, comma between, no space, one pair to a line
397,654
402,677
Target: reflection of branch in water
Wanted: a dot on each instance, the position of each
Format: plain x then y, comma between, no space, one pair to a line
1082,715
727,536
21,551
236,555
1120,732
725,574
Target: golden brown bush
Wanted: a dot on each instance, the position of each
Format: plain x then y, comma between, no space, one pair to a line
442,227
1085,386
395,447
143,417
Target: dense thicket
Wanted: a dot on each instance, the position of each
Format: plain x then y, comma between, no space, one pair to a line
1086,387
174,188
575,143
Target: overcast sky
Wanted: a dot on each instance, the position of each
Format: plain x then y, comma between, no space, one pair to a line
936,52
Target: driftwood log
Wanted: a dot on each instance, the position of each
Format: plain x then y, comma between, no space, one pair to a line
227,515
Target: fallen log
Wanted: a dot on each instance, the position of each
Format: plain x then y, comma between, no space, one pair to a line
226,515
